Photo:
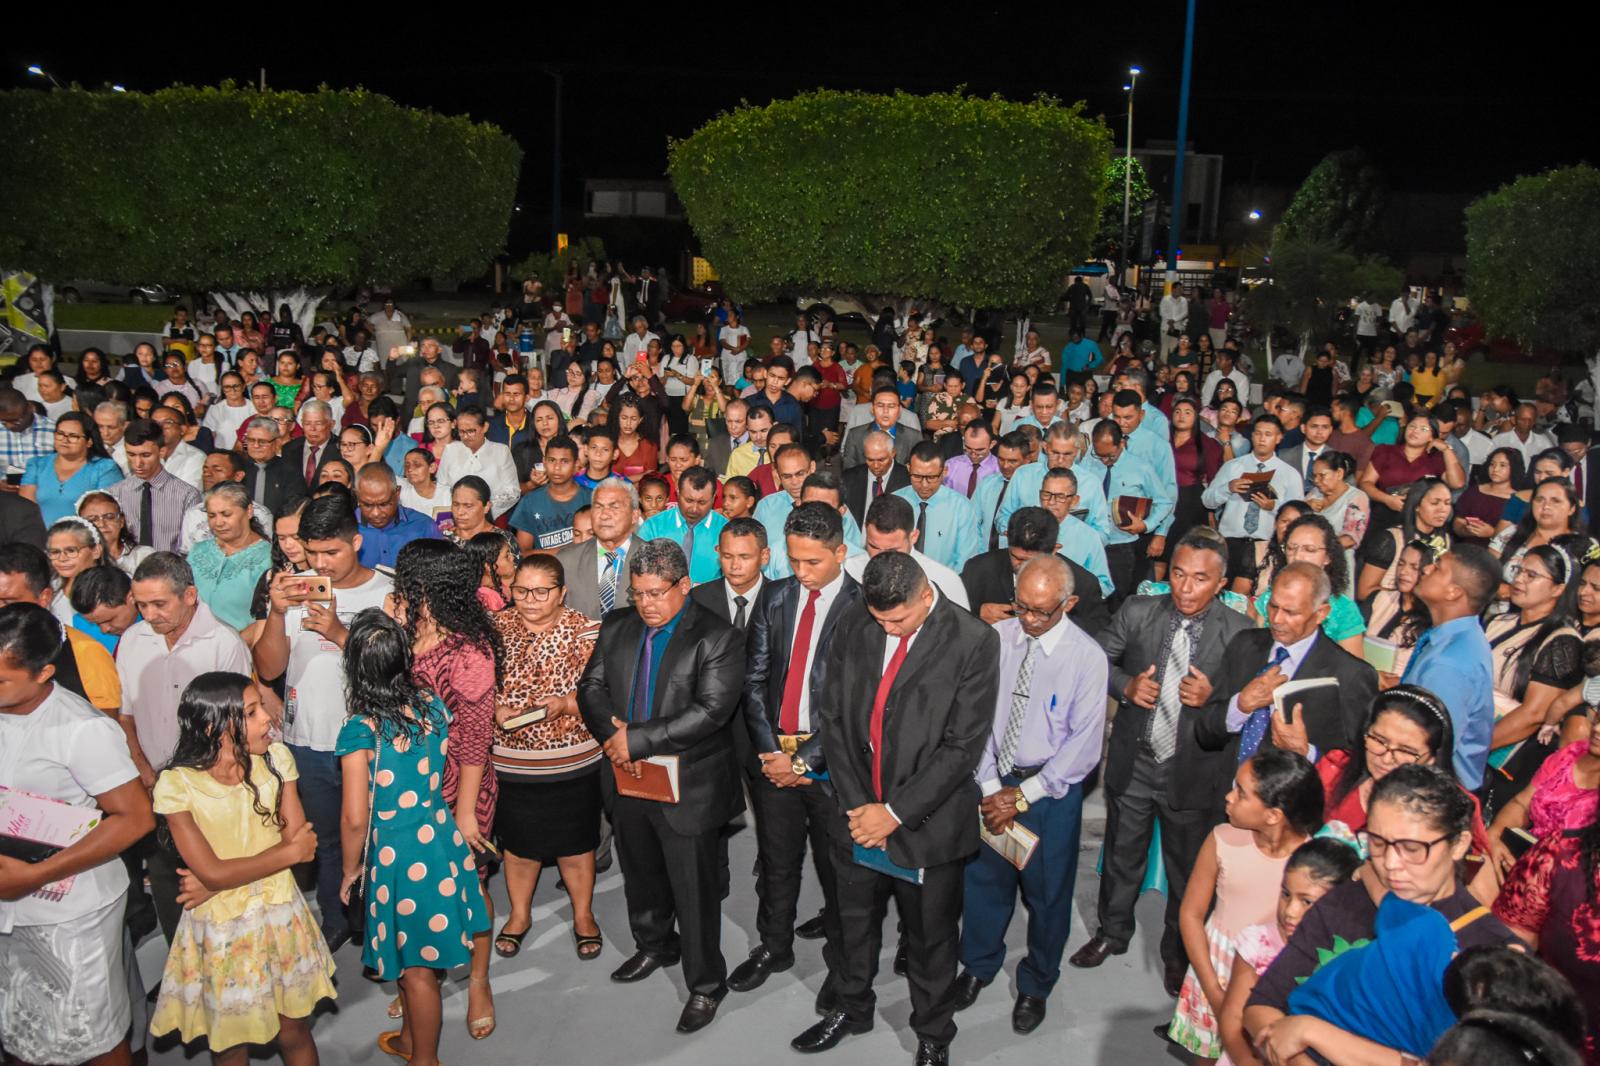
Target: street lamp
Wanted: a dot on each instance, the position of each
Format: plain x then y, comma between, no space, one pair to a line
1127,178
39,72
119,88
1254,215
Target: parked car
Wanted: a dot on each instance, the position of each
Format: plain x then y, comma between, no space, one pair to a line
72,292
693,304
1470,337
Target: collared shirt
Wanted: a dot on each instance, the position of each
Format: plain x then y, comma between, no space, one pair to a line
1080,543
185,464
380,545
1154,447
784,409
154,675
17,448
745,458
169,500
827,594
1029,479
1241,383
1132,476
749,598
1155,419
958,471
772,511
952,527
658,650
619,564
1230,523
990,497
492,462
1537,442
889,645
704,563
1029,420
1296,655
944,580
1453,661
1065,723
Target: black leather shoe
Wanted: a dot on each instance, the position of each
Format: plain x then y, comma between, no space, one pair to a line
753,972
900,964
1027,1014
640,966
811,928
1092,954
699,1011
826,1034
1172,973
931,1054
966,990
827,998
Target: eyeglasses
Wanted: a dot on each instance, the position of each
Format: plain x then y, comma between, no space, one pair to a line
1412,852
649,595
282,420
231,388
67,553
1378,745
1047,498
263,442
60,435
927,479
1033,612
540,593
105,518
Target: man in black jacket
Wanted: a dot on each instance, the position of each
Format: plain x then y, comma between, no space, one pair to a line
991,578
21,521
904,718
877,475
665,680
271,480
787,662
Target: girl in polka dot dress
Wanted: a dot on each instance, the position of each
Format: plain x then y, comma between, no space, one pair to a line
423,900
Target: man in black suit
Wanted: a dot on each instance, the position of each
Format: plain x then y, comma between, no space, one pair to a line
271,480
991,578
20,521
665,680
429,356
1575,440
904,718
305,453
1163,651
877,475
1239,719
885,419
787,662
721,442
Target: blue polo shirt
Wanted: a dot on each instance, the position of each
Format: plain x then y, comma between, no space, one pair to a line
380,546
1079,356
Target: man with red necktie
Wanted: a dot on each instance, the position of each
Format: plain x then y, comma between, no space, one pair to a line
904,716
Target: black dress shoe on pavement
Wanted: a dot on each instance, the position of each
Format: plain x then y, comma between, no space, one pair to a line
826,1034
753,972
640,966
1092,954
811,928
966,990
827,998
931,1054
1027,1014
1172,973
698,1012
900,964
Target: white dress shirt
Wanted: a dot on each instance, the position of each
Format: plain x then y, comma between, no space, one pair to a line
825,600
1290,666
945,580
185,462
1536,443
749,595
492,462
1230,523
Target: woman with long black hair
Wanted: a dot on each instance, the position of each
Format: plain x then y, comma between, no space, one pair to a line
1197,459
1426,517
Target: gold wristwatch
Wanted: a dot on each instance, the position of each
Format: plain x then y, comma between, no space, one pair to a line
1021,802
797,765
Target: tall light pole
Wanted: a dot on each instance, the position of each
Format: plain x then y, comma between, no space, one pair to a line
1127,180
555,162
39,72
1175,231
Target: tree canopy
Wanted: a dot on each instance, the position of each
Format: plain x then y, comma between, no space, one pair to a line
230,188
1339,204
946,198
1110,232
1529,249
1310,281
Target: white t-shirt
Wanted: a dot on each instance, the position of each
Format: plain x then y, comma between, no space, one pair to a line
362,359
409,497
314,708
224,421
800,341
66,751
635,344
1367,314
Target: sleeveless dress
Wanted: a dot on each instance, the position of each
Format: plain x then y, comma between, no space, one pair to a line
247,954
424,903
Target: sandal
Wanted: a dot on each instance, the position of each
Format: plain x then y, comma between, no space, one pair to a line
397,1008
480,1028
581,942
386,1044
514,939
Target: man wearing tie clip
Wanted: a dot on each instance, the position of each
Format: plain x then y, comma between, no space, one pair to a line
903,717
788,658
1049,721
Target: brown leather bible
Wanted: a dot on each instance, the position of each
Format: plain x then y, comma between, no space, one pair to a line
1131,507
658,779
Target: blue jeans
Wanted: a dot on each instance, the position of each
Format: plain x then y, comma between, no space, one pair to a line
322,796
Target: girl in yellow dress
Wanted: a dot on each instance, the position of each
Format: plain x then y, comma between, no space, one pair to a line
248,963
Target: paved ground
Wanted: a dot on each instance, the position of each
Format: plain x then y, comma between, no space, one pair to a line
554,1009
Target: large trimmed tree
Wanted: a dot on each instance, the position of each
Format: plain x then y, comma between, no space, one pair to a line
937,202
1339,204
257,197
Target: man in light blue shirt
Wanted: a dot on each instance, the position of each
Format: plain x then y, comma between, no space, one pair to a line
1245,514
821,486
1010,453
947,524
1140,437
691,524
1060,449
1138,379
1074,540
1045,410
1452,660
1134,540
1079,356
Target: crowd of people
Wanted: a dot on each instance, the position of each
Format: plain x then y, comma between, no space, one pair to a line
331,629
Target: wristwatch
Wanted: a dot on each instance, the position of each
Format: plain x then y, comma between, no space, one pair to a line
798,766
1021,803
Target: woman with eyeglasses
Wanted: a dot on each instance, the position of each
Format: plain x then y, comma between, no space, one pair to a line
1310,539
1418,826
100,510
80,464
73,545
438,429
175,378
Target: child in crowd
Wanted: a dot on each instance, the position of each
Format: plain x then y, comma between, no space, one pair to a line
907,385
739,496
1274,806
248,964
1315,867
653,494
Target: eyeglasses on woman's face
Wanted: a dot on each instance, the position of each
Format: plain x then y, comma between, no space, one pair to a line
1378,744
100,519
1412,852
536,593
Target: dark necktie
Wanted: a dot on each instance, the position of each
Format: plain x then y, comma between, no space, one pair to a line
1255,727
879,702
994,528
972,480
259,492
922,525
739,615
640,711
877,487
311,466
794,681
1108,483
147,517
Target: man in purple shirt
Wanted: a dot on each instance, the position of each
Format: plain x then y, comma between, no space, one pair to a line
963,472
1049,723
153,502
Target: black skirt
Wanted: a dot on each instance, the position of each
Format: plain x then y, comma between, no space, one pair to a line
545,820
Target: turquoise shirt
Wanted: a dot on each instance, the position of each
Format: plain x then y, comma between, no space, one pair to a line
1388,433
1344,617
1084,546
1132,476
772,512
1156,449
952,526
704,563
59,499
1024,492
227,583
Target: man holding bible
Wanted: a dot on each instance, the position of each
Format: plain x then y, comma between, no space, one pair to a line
1246,493
904,717
661,690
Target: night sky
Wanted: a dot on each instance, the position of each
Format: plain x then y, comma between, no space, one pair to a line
1455,98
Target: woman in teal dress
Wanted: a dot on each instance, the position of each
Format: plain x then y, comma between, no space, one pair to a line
79,465
421,891
228,564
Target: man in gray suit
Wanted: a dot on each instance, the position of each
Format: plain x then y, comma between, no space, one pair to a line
721,443
596,570
885,419
1164,651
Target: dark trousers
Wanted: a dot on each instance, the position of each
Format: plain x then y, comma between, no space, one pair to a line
931,915
672,879
1108,324
322,796
785,819
1131,815
156,854
1128,565
1046,884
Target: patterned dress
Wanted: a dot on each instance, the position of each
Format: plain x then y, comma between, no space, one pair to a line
422,908
247,954
462,673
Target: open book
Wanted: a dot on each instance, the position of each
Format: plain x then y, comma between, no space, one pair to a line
1015,845
659,780
33,828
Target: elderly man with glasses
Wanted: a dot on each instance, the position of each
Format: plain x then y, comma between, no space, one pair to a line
273,481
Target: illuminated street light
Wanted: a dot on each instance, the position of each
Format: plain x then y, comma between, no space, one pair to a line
39,72
1254,215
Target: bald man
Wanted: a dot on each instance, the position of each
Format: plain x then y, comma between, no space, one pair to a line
385,526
